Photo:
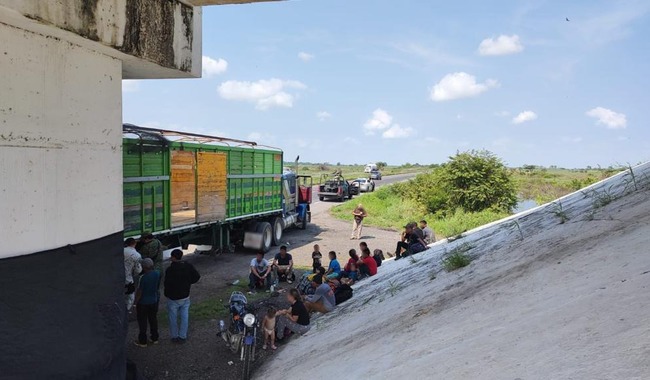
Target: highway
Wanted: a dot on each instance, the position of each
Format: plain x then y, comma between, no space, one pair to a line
318,206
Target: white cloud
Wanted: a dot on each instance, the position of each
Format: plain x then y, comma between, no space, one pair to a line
130,85
265,93
323,115
397,132
459,85
212,67
305,57
611,119
501,45
524,117
380,120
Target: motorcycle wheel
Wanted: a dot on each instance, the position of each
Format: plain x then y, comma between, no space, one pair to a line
246,355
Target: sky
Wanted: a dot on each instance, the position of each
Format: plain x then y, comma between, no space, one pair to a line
535,82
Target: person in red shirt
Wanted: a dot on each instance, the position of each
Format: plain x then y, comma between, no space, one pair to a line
367,265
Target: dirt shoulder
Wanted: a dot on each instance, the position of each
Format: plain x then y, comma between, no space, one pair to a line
205,356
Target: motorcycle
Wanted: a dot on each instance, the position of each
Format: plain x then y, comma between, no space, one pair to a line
241,335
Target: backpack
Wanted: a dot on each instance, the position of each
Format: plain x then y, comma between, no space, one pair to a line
343,293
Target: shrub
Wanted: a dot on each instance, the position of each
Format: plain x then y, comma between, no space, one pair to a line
457,258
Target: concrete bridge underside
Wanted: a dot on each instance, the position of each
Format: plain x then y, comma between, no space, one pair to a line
61,262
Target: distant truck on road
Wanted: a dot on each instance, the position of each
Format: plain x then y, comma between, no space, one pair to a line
369,168
336,187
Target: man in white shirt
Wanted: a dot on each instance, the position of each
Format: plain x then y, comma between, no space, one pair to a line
132,269
429,235
260,272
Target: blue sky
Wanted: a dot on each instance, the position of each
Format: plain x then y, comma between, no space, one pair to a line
416,81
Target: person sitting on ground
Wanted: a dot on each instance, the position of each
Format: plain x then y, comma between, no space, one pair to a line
146,303
350,276
316,258
260,273
428,235
367,265
378,255
363,245
283,266
354,257
295,318
412,241
322,300
334,269
268,324
304,286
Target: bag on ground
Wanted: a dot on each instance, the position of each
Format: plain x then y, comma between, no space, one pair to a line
343,293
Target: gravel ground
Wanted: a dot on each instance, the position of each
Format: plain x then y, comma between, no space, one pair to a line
205,356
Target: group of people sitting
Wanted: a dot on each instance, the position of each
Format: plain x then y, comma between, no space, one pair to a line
324,288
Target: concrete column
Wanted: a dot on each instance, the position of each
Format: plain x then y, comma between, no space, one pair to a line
61,262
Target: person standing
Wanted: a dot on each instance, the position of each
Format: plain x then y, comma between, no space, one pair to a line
150,247
357,224
429,235
132,269
146,303
179,278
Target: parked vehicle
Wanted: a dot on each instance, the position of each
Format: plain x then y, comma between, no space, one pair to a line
376,175
335,187
365,185
188,188
241,333
369,168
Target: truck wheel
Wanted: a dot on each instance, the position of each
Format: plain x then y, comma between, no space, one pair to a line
265,229
321,198
278,228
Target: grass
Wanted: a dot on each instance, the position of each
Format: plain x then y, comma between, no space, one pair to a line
559,211
457,258
215,307
547,184
388,210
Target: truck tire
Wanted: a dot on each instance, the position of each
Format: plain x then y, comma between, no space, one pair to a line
265,229
321,198
278,229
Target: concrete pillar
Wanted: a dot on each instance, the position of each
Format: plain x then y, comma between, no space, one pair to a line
61,272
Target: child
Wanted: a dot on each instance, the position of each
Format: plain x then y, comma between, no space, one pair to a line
352,275
316,257
334,269
268,324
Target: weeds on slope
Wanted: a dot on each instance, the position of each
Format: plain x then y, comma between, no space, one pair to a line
457,258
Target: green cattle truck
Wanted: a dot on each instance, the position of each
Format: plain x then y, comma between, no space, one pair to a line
190,188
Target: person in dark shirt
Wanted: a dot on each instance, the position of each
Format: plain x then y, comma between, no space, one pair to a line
283,266
295,318
179,278
412,241
146,303
316,258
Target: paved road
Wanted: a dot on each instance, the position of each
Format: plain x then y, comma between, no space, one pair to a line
318,206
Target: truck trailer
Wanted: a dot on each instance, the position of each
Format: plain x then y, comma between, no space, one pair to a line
189,188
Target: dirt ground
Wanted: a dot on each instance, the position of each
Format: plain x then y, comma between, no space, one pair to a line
205,356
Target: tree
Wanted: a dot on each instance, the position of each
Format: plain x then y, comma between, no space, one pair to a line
381,165
478,180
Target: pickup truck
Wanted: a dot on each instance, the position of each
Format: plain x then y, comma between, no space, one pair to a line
337,188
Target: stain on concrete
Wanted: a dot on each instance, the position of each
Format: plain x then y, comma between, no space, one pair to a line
149,31
87,13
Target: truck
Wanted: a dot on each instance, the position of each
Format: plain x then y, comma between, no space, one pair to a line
336,187
216,192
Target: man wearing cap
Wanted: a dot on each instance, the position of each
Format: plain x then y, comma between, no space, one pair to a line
150,247
323,299
146,303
